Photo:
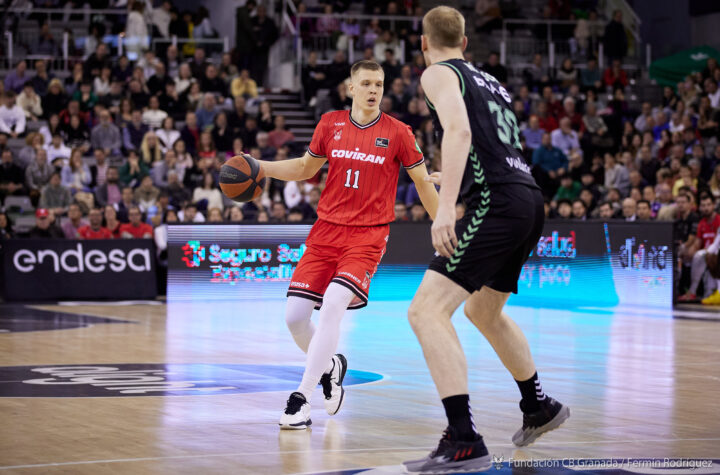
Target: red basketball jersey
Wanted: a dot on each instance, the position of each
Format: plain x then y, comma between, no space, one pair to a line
364,165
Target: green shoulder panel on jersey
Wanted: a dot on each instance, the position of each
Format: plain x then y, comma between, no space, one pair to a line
459,75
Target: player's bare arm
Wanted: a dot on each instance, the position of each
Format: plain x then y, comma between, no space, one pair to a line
442,88
296,169
426,190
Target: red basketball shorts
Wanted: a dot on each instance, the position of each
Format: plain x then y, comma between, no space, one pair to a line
346,255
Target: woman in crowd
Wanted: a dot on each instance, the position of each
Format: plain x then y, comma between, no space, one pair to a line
76,175
208,191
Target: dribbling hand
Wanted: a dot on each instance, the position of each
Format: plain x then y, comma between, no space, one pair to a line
443,231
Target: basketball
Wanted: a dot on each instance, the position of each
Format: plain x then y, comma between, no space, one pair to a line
242,178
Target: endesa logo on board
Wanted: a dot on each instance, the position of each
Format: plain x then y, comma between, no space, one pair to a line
76,260
554,245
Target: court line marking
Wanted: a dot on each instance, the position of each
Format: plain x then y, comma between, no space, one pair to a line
379,449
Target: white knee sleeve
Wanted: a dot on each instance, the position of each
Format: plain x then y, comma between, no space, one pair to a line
297,317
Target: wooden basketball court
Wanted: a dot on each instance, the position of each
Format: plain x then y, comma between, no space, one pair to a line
639,383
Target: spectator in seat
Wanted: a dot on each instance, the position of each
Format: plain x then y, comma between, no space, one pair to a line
190,214
133,170
134,132
26,155
644,210
30,102
95,229
222,134
55,100
494,68
6,227
564,209
244,86
44,226
605,211
629,209
16,79
167,135
568,190
579,209
157,83
570,111
190,133
111,222
110,192
565,138
12,117
54,196
279,136
106,135
533,133
546,121
146,194
591,77
549,164
150,151
278,213
615,76
212,83
76,175
214,215
206,114
135,229
74,222
177,193
153,117
184,79
12,178
208,192
616,175
171,102
38,173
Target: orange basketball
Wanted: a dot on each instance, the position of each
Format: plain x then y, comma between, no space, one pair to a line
242,178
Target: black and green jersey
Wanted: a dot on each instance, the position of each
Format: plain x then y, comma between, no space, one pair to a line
496,153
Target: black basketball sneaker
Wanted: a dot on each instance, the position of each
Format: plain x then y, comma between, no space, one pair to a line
550,416
453,456
332,384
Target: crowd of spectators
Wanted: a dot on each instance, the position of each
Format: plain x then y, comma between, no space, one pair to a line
133,145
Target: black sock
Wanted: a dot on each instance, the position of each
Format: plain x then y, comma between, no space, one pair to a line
457,409
532,393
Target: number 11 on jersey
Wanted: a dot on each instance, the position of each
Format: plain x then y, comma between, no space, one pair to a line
349,176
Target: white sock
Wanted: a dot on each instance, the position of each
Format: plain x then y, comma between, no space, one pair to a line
297,318
325,341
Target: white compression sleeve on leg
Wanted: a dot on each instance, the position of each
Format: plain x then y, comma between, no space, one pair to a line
325,341
297,317
697,270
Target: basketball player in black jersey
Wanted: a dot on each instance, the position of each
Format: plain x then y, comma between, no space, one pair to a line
479,258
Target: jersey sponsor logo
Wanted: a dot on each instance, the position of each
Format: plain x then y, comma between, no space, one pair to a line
301,285
338,134
382,142
357,155
339,124
518,163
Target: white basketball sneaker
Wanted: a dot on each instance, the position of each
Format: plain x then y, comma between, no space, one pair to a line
297,413
332,384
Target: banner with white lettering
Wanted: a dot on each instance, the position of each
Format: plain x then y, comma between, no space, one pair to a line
49,269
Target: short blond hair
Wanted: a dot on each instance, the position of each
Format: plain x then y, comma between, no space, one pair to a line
444,27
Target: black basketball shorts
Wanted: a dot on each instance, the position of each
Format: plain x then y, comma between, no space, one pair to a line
495,237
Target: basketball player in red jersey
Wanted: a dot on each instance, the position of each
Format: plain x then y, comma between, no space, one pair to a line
365,149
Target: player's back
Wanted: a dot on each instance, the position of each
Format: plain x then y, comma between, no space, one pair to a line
495,134
364,163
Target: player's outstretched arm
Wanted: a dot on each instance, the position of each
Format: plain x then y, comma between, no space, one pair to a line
426,190
442,87
295,169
